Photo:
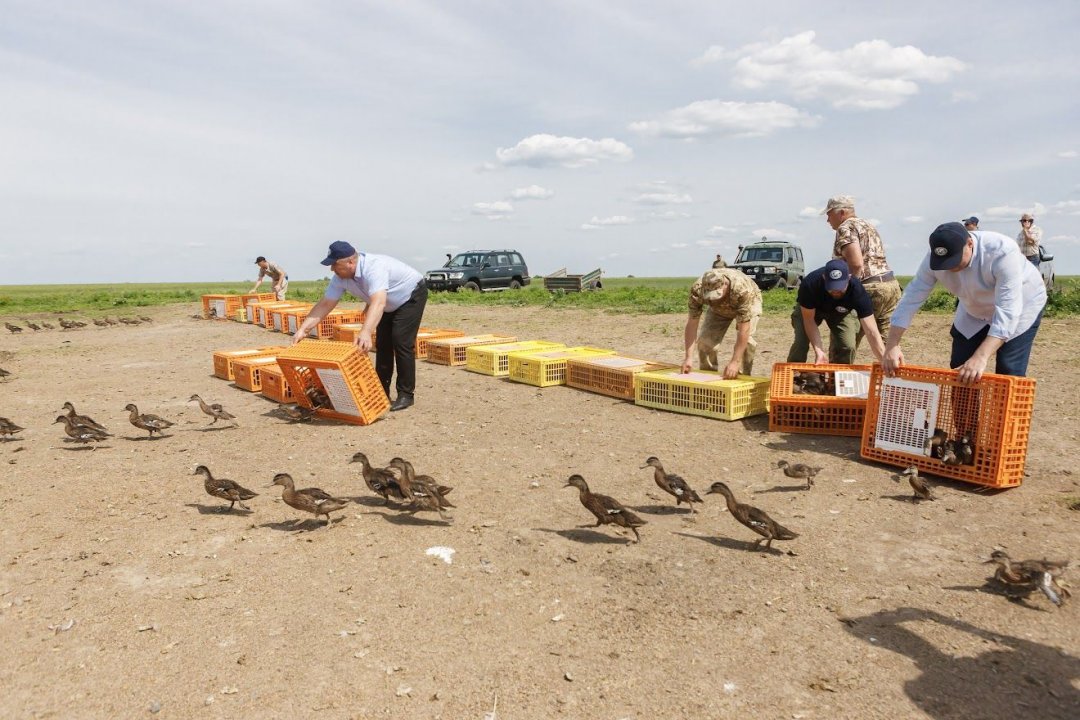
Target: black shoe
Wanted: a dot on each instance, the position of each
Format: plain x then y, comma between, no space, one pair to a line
403,401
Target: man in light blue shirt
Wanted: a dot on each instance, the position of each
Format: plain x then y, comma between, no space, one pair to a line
1001,301
395,296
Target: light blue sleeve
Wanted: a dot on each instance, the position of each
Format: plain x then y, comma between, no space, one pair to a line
335,290
915,294
1008,274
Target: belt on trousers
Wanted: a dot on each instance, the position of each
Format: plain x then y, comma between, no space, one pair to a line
883,277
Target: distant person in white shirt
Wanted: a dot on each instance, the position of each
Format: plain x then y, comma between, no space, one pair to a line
396,296
1001,301
1029,238
279,278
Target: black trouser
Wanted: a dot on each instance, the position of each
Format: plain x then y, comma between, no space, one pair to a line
395,341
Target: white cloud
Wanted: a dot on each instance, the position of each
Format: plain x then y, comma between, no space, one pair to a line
497,210
532,192
1066,207
663,198
548,150
962,97
870,75
598,222
1068,154
717,230
772,234
912,219
680,246
1012,212
669,215
706,118
1064,239
809,212
715,53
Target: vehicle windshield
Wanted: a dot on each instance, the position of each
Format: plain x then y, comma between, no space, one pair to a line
758,254
465,260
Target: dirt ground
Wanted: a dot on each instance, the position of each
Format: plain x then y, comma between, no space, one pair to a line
125,593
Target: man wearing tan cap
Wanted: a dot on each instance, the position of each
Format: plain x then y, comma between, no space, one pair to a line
729,295
859,245
1029,238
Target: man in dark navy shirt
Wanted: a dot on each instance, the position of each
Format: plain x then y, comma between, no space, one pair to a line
832,295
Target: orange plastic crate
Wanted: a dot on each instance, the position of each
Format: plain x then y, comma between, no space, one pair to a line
225,306
840,414
451,350
248,298
426,335
292,317
903,412
327,326
223,359
247,373
611,375
262,312
348,332
274,384
341,372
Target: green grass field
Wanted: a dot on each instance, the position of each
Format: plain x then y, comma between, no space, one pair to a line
620,295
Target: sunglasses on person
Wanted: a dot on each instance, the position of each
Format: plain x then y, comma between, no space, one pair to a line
1027,221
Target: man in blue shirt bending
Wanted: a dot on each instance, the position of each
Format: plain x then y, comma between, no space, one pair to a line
395,296
831,295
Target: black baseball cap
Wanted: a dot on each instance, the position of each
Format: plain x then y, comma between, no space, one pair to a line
947,244
259,259
971,220
837,274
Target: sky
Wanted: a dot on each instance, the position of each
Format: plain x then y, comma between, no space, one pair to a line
175,141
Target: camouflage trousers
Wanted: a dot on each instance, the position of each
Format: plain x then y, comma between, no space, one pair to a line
713,329
885,296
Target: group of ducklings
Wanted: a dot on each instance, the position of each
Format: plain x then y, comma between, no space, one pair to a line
66,324
807,382
951,451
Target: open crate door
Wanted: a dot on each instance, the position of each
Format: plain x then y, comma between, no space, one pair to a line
907,415
852,383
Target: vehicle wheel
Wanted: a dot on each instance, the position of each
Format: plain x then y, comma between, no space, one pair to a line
780,282
798,282
471,286
515,284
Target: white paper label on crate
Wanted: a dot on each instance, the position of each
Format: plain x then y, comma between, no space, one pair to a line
277,321
852,383
338,390
238,353
616,362
250,313
907,413
219,307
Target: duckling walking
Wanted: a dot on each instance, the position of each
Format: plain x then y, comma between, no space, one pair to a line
798,470
1029,575
753,518
672,484
608,510
80,433
918,484
296,413
379,481
148,422
83,419
4,373
225,489
313,500
421,490
9,428
214,410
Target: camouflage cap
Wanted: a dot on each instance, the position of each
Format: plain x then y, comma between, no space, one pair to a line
839,203
713,284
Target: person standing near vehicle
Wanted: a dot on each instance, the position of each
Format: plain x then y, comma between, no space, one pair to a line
858,244
971,223
729,296
831,294
1029,238
395,295
1001,301
277,276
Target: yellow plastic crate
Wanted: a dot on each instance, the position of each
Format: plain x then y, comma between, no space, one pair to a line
546,368
702,392
451,351
495,360
611,375
240,315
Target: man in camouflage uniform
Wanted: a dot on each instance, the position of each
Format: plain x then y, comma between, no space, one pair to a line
859,245
729,295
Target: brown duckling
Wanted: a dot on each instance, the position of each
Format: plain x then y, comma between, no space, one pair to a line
4,373
129,321
225,489
100,323
296,413
949,454
148,422
1030,574
13,329
33,326
214,410
421,490
80,433
110,321
146,319
9,428
317,397
918,484
313,500
798,470
753,518
48,326
935,444
607,509
965,449
808,383
379,481
672,484
84,419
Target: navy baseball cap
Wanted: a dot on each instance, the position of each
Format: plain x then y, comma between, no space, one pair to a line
837,275
971,220
259,259
947,244
339,250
